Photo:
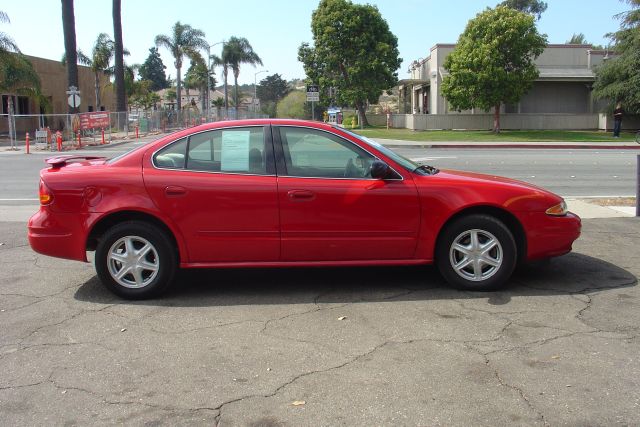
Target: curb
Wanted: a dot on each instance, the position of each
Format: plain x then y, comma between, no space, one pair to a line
519,146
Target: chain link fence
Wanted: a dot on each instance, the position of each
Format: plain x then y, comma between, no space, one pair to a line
122,125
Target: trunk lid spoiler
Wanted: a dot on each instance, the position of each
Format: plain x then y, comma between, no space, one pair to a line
60,161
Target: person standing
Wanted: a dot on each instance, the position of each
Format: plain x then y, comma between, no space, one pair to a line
617,120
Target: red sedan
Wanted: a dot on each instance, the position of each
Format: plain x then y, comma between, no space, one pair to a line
283,193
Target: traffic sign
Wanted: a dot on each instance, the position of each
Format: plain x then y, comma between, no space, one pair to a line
74,101
313,93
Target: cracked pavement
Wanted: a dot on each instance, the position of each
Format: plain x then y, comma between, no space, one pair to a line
559,346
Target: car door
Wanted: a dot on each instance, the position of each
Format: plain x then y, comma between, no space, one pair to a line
330,207
219,187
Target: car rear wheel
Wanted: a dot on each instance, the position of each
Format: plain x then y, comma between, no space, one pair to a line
476,252
135,260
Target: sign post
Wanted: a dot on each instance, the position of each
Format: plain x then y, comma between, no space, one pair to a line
74,97
313,96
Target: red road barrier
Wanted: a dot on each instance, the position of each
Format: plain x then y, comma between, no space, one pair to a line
27,146
103,136
79,140
59,140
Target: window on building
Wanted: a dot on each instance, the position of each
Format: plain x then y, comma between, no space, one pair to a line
23,105
5,101
90,108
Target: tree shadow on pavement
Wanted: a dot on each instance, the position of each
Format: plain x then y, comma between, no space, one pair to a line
571,274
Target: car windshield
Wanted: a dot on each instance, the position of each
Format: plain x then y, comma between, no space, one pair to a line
409,165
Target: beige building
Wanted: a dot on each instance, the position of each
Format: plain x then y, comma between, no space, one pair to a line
563,87
53,79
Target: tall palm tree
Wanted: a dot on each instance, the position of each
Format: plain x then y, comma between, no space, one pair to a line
235,52
183,41
100,61
121,100
69,28
217,61
196,78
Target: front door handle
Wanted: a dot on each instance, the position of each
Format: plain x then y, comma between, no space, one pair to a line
175,191
302,195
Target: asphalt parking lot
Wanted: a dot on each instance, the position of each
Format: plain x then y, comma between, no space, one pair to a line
378,346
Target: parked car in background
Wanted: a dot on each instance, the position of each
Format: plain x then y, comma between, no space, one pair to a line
286,193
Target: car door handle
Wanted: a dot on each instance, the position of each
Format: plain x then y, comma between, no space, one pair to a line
301,195
175,191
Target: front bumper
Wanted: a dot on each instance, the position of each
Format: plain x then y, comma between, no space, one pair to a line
549,236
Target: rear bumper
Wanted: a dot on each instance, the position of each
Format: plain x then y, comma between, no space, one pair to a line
549,236
59,235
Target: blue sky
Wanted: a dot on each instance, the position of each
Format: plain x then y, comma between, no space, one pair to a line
276,28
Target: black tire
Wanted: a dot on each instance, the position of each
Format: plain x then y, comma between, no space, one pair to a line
152,271
478,275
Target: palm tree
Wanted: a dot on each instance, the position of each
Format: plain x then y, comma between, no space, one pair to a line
17,75
69,28
218,61
121,103
184,41
6,43
196,78
235,52
101,54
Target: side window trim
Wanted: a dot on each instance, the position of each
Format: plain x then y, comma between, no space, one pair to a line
281,166
269,152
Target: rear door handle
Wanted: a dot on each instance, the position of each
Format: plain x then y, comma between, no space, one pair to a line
175,191
301,195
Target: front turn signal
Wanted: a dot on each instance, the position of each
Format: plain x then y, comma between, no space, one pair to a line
558,210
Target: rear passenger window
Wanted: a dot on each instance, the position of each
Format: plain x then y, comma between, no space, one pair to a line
237,150
172,156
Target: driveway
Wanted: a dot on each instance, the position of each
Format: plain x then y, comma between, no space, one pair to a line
376,346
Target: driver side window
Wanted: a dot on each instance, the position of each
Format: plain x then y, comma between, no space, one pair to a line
313,153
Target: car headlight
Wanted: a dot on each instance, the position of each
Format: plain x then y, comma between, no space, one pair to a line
558,210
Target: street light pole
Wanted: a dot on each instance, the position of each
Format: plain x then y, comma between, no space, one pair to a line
209,46
255,89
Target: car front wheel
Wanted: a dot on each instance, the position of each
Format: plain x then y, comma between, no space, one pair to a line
476,252
135,260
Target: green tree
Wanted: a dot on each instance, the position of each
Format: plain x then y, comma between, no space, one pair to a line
217,61
69,29
196,78
183,41
354,51
532,7
492,63
577,38
292,106
142,95
153,70
271,90
235,52
17,75
218,103
7,44
119,53
617,79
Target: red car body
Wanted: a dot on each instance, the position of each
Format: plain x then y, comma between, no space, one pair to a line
246,220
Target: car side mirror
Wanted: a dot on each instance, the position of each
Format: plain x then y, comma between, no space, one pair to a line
379,169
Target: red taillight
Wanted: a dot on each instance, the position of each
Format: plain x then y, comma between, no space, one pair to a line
46,196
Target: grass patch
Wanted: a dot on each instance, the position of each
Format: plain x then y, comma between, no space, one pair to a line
483,136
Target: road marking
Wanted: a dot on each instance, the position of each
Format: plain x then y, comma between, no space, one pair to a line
423,159
19,200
